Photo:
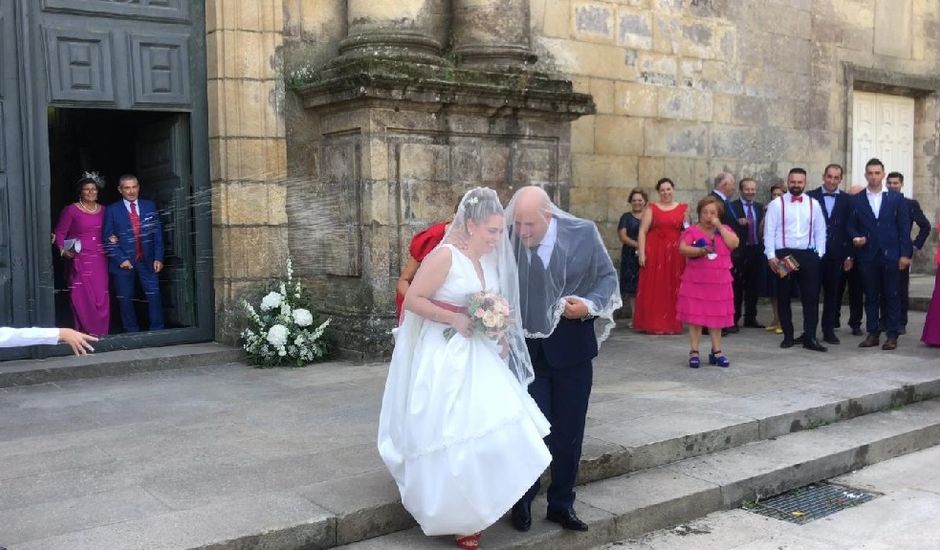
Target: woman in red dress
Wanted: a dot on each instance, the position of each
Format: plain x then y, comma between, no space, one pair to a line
660,263
421,245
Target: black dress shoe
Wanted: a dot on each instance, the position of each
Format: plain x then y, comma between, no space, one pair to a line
813,345
753,324
567,519
787,343
890,344
832,339
733,329
857,331
521,516
799,339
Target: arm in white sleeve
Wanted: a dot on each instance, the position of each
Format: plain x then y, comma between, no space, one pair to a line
819,229
771,226
14,337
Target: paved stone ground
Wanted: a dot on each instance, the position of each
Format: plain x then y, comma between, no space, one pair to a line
143,456
904,516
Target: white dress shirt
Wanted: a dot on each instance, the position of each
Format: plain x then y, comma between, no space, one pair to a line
874,200
127,206
14,337
830,201
798,225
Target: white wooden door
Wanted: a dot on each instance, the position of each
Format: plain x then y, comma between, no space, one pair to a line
883,127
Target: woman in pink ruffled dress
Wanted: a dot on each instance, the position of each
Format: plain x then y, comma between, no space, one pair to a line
78,238
931,335
706,296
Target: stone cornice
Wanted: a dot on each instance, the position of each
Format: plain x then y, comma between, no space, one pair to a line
500,93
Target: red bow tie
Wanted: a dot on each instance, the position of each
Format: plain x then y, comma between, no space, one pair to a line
796,199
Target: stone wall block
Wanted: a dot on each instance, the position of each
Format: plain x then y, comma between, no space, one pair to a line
424,162
753,111
557,19
657,69
675,138
635,99
605,171
246,203
603,92
666,33
582,135
588,59
256,252
698,40
649,170
494,165
594,21
684,104
618,135
635,29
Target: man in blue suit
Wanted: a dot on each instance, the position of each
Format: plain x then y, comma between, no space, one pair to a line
880,229
135,252
562,262
895,182
838,259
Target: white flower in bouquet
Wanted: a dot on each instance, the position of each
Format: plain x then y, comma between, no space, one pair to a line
302,317
270,301
277,336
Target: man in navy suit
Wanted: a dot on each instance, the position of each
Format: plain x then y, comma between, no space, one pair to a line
895,182
749,262
136,253
560,258
880,229
838,259
723,190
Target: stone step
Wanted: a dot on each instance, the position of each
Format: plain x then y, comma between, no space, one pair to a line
57,369
367,507
630,505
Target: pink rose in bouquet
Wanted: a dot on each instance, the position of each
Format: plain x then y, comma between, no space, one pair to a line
489,315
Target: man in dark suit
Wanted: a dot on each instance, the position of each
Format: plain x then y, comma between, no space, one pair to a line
837,260
895,182
880,229
723,190
749,260
562,260
136,252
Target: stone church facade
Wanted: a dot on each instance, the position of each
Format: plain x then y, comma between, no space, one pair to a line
339,128
330,131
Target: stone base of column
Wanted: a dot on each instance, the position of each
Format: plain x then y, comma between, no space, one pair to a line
396,144
484,55
399,45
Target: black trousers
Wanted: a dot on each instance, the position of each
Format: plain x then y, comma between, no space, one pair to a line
904,290
852,280
747,266
562,395
833,284
807,279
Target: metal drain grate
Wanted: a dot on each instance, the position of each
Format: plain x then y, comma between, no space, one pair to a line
813,501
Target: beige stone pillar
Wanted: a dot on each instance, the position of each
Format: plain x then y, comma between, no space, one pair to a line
247,149
492,32
401,29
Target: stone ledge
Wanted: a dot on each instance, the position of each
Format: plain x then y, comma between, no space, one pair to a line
115,363
460,88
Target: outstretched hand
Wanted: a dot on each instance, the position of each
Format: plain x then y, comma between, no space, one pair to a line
78,341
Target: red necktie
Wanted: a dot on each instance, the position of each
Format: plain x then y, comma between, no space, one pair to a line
135,225
796,199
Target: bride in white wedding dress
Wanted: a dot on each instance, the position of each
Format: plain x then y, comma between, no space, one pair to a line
458,430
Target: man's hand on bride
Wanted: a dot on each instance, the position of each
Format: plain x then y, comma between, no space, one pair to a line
461,323
575,309
503,348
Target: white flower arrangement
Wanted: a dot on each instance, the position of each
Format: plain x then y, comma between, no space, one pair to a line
283,331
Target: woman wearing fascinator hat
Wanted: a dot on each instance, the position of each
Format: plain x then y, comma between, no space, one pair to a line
78,240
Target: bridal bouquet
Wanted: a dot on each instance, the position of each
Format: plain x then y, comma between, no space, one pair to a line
285,332
489,315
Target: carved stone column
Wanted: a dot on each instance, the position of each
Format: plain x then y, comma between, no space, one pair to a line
492,32
402,30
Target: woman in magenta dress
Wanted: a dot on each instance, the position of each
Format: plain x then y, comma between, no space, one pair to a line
660,263
78,238
931,335
706,295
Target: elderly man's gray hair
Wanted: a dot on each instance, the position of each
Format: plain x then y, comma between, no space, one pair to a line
722,177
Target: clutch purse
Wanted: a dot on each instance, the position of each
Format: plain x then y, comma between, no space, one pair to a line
72,245
787,265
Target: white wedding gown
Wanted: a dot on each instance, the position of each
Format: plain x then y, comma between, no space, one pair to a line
459,433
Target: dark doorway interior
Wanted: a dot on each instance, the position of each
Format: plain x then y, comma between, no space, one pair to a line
152,145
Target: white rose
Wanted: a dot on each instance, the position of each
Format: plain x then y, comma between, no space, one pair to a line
302,317
271,301
490,319
277,336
